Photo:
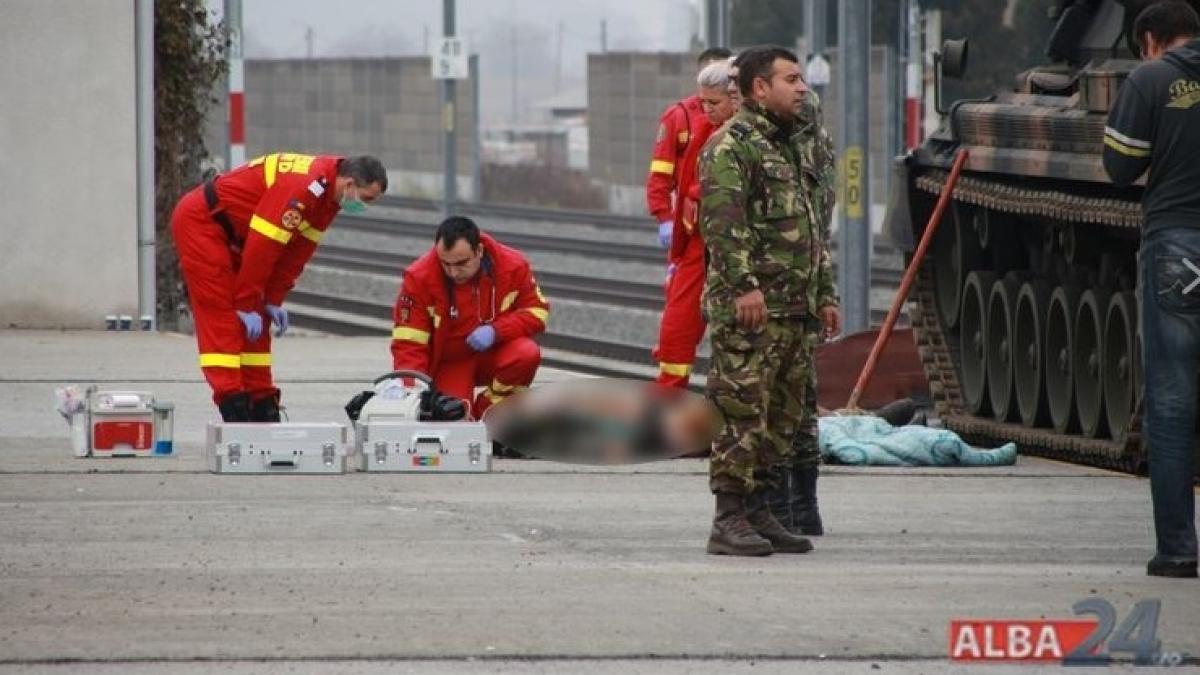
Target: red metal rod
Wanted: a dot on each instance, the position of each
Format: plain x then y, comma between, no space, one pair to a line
906,283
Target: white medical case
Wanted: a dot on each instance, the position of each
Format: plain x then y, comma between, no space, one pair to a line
423,447
279,447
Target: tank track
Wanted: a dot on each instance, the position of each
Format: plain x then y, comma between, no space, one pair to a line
939,357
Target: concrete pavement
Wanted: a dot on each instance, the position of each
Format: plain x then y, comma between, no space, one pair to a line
154,565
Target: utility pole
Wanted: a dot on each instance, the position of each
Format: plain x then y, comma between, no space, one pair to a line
712,22
817,22
450,181
513,78
854,252
558,61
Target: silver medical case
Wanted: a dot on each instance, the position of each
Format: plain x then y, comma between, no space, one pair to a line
423,447
281,447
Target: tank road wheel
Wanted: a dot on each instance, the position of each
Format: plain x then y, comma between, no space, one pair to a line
973,336
1060,382
955,252
1001,310
1029,352
1119,356
1089,340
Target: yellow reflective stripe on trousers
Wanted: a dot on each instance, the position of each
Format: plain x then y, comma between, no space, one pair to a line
217,360
676,369
411,334
256,358
542,314
270,168
270,230
310,233
662,166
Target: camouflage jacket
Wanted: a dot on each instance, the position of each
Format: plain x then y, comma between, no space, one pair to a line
766,198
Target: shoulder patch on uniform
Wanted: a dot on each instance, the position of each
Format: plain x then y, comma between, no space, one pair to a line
291,219
740,129
317,188
296,204
404,300
662,133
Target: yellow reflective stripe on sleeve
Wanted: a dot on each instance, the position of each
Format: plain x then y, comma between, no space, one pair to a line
1125,149
256,358
508,301
270,168
542,314
217,360
411,334
270,230
310,233
662,166
433,315
493,396
676,369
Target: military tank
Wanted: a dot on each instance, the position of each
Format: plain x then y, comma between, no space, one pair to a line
1024,311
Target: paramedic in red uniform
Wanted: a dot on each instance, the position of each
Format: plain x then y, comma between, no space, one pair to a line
243,239
466,316
682,130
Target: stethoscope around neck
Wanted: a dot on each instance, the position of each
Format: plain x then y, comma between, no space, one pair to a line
486,267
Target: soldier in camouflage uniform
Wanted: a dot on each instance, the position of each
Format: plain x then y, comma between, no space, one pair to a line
764,206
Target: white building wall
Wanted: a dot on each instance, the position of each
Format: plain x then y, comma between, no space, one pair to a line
68,226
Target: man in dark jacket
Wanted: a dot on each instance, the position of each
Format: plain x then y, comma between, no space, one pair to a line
1155,124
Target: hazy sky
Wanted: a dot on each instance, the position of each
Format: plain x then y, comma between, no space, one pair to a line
278,29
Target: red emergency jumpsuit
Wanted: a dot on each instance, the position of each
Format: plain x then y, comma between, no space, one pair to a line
434,316
276,208
682,131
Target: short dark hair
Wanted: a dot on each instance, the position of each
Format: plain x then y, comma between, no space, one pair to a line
758,62
1165,20
457,227
713,54
364,169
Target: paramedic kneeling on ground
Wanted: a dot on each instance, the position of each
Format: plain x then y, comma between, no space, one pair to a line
466,316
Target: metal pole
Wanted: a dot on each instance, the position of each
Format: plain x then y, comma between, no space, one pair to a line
235,151
914,77
144,74
817,39
450,183
854,252
476,162
712,23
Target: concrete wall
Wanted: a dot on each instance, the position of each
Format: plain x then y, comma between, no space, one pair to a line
627,92
387,107
68,179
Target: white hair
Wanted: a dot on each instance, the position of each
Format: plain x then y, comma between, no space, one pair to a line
716,75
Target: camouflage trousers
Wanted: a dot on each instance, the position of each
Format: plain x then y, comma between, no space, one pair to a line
764,384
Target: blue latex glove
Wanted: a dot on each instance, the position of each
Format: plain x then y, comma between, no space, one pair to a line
664,233
279,316
481,339
253,323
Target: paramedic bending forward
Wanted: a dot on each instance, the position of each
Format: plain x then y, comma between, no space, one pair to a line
243,239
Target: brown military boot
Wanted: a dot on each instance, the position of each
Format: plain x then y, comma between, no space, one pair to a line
758,513
732,534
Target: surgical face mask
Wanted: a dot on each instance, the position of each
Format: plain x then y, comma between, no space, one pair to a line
353,204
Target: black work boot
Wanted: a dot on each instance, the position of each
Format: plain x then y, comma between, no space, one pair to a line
758,513
1167,566
235,407
732,534
806,517
266,409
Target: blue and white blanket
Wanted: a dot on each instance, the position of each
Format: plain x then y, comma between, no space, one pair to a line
865,439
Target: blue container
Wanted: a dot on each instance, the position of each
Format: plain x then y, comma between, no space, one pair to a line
164,423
